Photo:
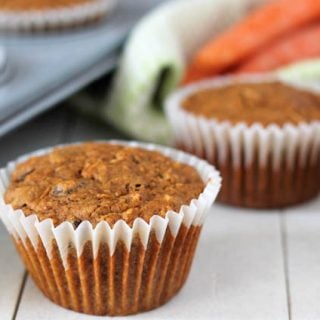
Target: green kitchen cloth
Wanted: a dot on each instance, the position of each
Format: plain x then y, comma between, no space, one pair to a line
307,71
154,58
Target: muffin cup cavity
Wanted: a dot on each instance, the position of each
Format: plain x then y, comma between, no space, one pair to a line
117,270
262,166
57,18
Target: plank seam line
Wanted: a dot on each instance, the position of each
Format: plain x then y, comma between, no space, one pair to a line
284,244
23,284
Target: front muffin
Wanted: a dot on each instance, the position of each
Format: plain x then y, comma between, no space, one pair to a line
263,134
108,228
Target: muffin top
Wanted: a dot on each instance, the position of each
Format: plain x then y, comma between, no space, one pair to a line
23,5
101,182
265,103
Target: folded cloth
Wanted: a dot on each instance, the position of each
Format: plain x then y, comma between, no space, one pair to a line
154,59
307,71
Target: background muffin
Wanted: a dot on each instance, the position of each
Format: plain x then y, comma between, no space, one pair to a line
108,229
262,133
26,15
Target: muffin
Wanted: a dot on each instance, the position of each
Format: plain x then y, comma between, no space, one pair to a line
262,133
29,15
107,228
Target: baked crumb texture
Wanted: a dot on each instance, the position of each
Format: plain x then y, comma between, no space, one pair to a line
101,182
265,103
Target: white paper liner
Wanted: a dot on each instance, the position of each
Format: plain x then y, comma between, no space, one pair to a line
23,228
55,18
207,135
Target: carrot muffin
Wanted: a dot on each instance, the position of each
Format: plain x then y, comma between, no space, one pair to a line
101,182
108,228
48,14
262,133
265,103
26,5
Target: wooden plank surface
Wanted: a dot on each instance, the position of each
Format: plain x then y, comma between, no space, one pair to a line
302,228
237,275
242,253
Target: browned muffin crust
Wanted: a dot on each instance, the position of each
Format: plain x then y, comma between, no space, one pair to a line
23,5
101,182
265,103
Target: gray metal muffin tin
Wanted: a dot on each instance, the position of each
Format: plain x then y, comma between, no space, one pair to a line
39,70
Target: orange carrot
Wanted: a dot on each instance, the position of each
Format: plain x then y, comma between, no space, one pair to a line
257,30
193,74
304,44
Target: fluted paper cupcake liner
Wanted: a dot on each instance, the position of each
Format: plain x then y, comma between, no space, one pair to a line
261,166
67,16
116,271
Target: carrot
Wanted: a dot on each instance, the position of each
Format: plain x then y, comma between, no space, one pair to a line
300,45
257,30
193,74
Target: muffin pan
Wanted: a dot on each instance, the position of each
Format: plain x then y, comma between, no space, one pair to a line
4,69
45,68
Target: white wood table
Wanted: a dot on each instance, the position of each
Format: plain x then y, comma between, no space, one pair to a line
250,265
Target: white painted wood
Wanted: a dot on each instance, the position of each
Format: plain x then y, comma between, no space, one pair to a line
243,255
310,206
303,250
237,275
11,275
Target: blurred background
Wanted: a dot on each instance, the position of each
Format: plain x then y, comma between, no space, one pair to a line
45,63
97,69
